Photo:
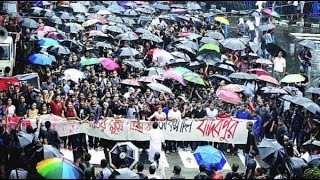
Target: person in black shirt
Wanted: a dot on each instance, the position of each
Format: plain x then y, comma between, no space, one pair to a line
302,85
118,111
83,112
305,58
198,114
140,168
251,165
22,107
234,174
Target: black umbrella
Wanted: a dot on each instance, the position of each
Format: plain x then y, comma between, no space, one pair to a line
215,35
244,39
314,160
115,19
313,90
135,64
124,154
254,47
55,20
242,75
271,151
104,45
124,173
184,47
142,30
274,49
127,36
212,55
144,10
180,6
186,18
66,16
60,50
48,151
191,45
80,18
193,6
47,13
303,101
151,37
295,165
25,139
129,21
161,6
233,44
29,23
311,144
226,67
96,8
130,12
70,44
128,52
181,55
116,29
154,71
219,76
36,10
208,40
308,43
71,28
178,62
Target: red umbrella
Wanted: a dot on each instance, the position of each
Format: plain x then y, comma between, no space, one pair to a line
55,36
268,79
233,87
109,64
228,96
130,82
259,72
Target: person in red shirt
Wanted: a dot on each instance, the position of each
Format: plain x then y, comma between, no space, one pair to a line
57,106
71,114
223,114
215,173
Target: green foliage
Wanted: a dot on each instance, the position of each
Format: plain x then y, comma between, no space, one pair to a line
312,173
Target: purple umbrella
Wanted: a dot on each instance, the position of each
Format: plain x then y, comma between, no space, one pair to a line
173,75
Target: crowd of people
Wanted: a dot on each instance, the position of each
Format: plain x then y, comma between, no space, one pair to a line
103,93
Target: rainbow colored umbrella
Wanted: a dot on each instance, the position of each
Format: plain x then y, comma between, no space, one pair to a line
58,168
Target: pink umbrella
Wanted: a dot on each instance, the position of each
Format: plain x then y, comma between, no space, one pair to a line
46,28
109,64
130,82
148,79
232,87
141,2
40,33
98,17
263,61
228,96
163,57
259,72
55,35
170,74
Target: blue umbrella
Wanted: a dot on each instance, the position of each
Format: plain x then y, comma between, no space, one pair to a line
208,155
48,42
41,59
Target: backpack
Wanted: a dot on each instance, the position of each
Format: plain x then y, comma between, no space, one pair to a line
87,170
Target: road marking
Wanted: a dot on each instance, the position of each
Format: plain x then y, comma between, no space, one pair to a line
96,156
164,159
67,154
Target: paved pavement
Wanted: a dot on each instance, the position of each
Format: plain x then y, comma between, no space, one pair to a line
184,159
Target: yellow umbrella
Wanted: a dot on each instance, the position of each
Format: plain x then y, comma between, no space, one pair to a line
222,20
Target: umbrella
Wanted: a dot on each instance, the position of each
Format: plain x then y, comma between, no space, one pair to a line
71,28
97,33
274,49
24,139
271,151
78,8
80,18
89,61
271,12
170,74
124,153
242,75
233,87
215,35
194,36
151,37
142,30
209,40
36,10
116,29
295,164
155,71
161,6
209,56
255,13
258,71
292,78
302,101
130,82
74,75
233,44
268,79
162,56
128,36
181,6
226,67
135,64
183,34
159,87
193,77
66,16
103,12
128,52
222,77
49,151
41,59
193,6
90,22
101,19
308,43
148,79
59,50
55,20
109,64
228,96
97,8
273,90
115,19
144,10
311,144
181,70
314,160
209,155
59,168
186,48
29,23
181,55
222,20
70,44
266,27
254,47
130,12
56,35
186,18
104,45
129,21
263,61
211,47
124,173
313,90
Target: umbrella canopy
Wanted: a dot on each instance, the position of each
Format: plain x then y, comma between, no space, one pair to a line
29,23
263,61
131,12
228,96
273,90
222,20
242,75
292,78
124,153
233,44
48,42
193,77
128,36
226,67
125,173
159,87
271,151
162,56
59,168
70,44
181,55
151,37
313,90
109,64
215,35
55,20
130,82
155,71
78,8
128,52
41,59
49,151
268,79
295,164
194,36
116,29
271,12
274,49
104,45
56,35
90,22
314,160
311,144
66,16
115,19
221,77
193,6
135,64
209,40
74,75
302,101
170,74
71,28
266,27
103,12
59,50
209,155
233,87
258,71
148,79
308,43
24,139
211,47
89,61
181,70
254,47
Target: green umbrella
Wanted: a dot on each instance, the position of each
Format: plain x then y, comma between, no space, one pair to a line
193,77
212,47
181,70
90,61
292,78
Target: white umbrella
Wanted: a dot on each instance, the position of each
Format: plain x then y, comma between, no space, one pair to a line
159,87
74,75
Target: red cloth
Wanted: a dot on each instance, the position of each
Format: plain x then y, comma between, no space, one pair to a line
217,175
70,112
56,108
6,81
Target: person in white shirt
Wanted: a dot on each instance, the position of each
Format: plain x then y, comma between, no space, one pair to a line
18,173
156,140
106,171
212,112
279,66
174,114
159,164
251,30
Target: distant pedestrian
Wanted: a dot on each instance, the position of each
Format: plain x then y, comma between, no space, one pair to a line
176,172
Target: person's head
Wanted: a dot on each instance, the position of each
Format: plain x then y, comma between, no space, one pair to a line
176,169
280,54
9,101
214,168
104,163
29,129
199,105
47,124
58,98
202,168
70,105
94,100
156,156
34,106
235,167
243,107
152,169
155,125
259,171
140,167
87,157
160,108
252,153
175,107
254,113
249,125
22,99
